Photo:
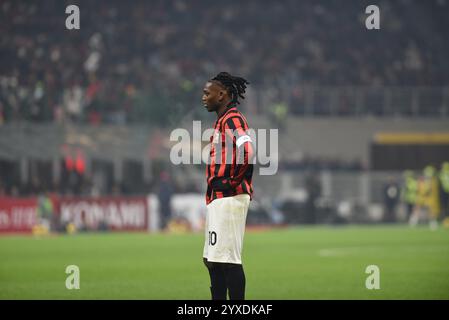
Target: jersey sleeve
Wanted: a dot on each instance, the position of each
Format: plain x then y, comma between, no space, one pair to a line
237,130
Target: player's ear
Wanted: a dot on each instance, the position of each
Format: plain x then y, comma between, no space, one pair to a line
221,94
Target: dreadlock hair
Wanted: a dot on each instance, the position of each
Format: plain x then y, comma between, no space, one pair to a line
236,86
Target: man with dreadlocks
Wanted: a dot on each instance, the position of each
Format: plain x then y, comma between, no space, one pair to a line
229,187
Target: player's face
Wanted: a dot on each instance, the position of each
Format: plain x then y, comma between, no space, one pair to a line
213,96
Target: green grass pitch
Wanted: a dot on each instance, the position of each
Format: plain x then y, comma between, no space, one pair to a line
294,263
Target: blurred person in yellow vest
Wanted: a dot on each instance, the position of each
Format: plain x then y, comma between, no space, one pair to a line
428,198
45,213
420,202
409,191
444,192
279,113
433,198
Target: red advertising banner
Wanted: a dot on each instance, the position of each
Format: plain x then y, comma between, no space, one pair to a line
112,213
17,215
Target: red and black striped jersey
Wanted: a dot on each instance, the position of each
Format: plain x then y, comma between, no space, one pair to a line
229,170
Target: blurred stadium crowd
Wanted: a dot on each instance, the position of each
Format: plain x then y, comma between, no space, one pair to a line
147,62
144,63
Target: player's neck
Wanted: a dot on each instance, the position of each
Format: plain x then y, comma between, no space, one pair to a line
222,110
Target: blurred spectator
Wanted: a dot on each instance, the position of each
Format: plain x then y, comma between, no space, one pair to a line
391,195
2,189
45,212
165,193
313,188
433,197
135,62
444,190
427,203
409,191
279,114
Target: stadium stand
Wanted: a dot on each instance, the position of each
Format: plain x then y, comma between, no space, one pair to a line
133,63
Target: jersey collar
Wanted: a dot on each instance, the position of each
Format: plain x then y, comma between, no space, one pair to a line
230,108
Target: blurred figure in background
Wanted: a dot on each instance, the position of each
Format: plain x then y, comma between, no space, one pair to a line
420,208
409,192
2,189
279,114
313,188
165,193
444,192
391,198
45,215
428,199
433,199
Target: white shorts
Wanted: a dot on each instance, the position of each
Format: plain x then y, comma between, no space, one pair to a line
225,228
